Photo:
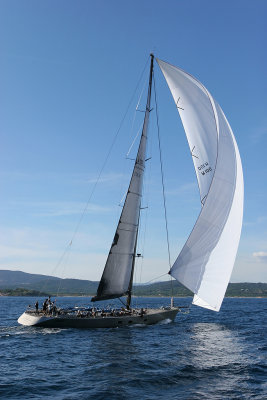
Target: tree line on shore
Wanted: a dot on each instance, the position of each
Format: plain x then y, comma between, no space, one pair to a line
159,289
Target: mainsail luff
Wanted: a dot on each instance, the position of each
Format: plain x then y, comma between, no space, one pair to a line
117,276
205,263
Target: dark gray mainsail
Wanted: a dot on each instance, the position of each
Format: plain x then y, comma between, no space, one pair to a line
117,276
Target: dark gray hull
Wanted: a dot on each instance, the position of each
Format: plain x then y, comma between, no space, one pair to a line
152,316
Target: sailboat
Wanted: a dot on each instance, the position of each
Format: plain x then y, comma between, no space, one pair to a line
205,263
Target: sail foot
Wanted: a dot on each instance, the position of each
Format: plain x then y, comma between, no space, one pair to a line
108,296
197,301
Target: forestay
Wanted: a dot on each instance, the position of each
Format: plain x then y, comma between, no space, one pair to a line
206,261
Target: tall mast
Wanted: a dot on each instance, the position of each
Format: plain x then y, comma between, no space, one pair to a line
144,132
117,277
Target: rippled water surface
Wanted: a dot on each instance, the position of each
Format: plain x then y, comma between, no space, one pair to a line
202,355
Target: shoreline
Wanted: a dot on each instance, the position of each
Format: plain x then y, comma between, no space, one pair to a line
159,297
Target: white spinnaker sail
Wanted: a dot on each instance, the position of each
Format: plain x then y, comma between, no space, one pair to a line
206,261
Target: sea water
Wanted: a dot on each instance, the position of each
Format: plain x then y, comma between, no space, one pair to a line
202,355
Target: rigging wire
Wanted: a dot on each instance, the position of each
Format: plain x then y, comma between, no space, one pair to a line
136,136
157,277
65,252
162,177
139,100
63,272
134,117
67,248
162,181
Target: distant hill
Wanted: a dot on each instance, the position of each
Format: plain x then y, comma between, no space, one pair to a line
22,292
21,283
162,289
234,290
46,283
11,279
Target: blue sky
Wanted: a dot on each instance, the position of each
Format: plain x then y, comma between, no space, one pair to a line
68,71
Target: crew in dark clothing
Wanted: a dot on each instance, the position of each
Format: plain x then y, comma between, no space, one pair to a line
45,305
36,306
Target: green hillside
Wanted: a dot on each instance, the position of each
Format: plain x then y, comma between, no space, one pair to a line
17,283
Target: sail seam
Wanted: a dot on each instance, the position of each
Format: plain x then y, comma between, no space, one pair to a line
123,254
127,223
137,194
127,230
